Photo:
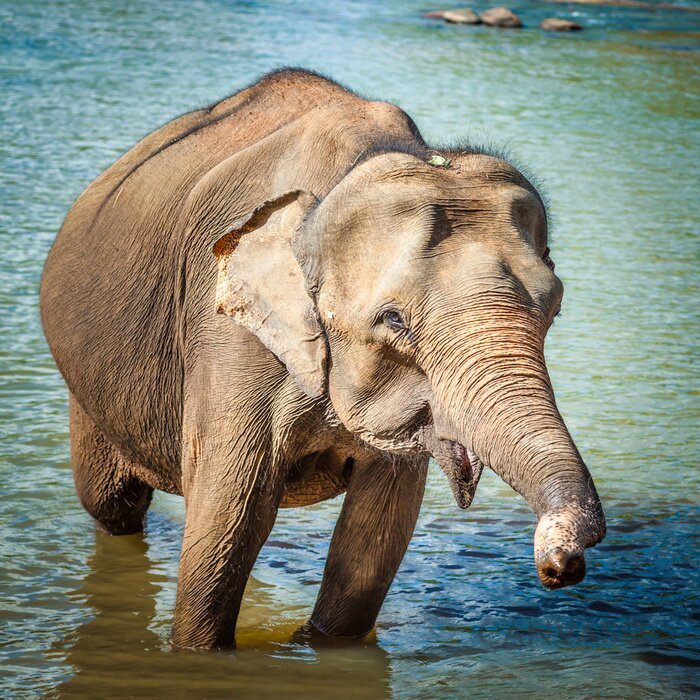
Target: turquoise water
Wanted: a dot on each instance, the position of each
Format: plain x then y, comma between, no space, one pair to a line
609,121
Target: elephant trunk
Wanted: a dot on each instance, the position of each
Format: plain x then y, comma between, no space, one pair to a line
497,401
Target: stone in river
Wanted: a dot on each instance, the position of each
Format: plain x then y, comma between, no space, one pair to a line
501,17
463,15
554,24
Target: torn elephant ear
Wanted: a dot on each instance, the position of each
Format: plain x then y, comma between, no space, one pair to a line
261,286
462,469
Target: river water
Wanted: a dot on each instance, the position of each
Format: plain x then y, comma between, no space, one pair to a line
608,121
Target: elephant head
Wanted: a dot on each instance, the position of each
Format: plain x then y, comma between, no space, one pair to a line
417,298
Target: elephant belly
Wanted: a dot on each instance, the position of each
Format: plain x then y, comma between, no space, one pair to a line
317,477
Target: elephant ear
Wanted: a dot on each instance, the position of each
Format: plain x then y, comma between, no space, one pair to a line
261,286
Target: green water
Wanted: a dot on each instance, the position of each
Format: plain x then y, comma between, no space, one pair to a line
608,120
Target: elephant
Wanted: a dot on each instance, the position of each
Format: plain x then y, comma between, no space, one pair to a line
289,296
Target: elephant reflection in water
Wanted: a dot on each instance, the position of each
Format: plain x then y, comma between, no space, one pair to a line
117,653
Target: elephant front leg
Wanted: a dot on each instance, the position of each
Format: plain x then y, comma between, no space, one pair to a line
230,512
370,539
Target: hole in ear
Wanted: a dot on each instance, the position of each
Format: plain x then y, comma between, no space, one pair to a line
227,244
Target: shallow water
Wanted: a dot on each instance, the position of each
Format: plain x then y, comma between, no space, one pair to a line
609,120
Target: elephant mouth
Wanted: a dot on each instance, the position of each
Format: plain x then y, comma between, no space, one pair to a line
459,464
461,467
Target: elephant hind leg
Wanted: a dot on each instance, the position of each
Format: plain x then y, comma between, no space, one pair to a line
106,486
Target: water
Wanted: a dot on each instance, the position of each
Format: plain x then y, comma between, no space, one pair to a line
608,119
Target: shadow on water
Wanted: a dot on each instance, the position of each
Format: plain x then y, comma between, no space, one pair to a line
118,654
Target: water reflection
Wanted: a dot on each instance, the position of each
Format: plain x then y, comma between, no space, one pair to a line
465,611
120,621
118,654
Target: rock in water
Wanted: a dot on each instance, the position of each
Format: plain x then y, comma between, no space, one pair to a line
554,24
463,15
501,17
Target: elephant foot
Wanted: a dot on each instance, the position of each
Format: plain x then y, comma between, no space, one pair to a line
310,635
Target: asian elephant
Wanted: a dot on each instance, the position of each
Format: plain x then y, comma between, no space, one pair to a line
290,295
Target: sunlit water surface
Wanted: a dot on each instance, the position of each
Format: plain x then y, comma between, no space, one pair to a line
608,121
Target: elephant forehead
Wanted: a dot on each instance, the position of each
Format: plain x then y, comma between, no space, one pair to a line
475,190
389,182
399,221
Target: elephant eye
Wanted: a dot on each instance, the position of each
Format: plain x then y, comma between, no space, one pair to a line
547,260
394,320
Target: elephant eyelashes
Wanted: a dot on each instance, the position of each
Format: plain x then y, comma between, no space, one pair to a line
394,320
547,260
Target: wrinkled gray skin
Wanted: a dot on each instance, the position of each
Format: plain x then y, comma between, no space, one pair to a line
278,299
